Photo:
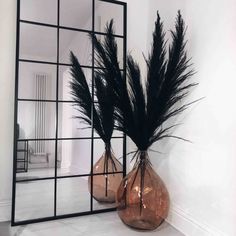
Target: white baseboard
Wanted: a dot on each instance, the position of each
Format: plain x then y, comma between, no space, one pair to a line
5,211
187,225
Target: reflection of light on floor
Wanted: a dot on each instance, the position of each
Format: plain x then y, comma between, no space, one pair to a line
35,199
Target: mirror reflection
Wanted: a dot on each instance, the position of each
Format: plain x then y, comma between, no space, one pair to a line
46,111
76,14
38,43
44,11
28,203
105,11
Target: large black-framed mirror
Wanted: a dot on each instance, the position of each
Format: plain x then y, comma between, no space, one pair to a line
53,154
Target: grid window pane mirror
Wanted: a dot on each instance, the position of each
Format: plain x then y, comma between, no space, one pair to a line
54,153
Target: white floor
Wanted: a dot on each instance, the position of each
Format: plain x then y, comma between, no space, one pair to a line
105,224
35,199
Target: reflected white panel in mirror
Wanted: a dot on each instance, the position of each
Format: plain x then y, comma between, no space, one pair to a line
75,156
41,159
68,125
43,11
65,79
77,42
106,11
36,119
34,200
76,14
29,84
38,42
72,195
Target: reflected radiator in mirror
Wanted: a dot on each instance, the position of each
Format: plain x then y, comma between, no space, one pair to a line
39,155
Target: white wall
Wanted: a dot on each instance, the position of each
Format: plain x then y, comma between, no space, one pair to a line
137,27
7,81
200,176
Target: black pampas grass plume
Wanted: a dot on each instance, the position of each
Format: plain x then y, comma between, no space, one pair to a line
141,111
100,113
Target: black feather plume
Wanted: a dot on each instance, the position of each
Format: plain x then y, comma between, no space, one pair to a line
140,111
102,112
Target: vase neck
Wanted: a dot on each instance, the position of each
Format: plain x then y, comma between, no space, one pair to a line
108,146
142,157
109,158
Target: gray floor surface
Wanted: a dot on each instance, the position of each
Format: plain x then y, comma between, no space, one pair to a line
107,224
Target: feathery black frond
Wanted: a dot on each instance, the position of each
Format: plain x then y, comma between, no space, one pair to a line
107,60
137,98
80,90
155,77
140,111
105,107
174,87
102,114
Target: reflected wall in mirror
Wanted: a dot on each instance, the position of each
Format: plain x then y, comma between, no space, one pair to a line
53,152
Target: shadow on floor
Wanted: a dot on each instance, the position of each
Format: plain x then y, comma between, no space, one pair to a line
7,230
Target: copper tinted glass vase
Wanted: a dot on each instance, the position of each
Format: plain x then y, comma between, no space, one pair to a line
106,184
142,198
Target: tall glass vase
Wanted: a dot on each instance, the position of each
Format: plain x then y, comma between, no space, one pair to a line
142,198
106,180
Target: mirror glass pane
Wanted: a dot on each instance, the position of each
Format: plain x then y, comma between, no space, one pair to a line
75,156
99,205
76,14
36,120
77,42
120,45
117,147
35,159
104,12
34,199
37,81
72,195
114,134
68,125
65,79
43,11
38,43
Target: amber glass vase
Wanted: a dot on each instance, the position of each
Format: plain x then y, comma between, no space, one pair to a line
105,184
142,198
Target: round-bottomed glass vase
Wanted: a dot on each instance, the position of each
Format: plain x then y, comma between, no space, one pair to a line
106,184
142,198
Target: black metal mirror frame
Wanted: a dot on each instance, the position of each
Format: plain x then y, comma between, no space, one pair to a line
57,102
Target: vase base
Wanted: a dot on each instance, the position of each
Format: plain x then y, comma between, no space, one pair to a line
142,198
104,200
143,225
